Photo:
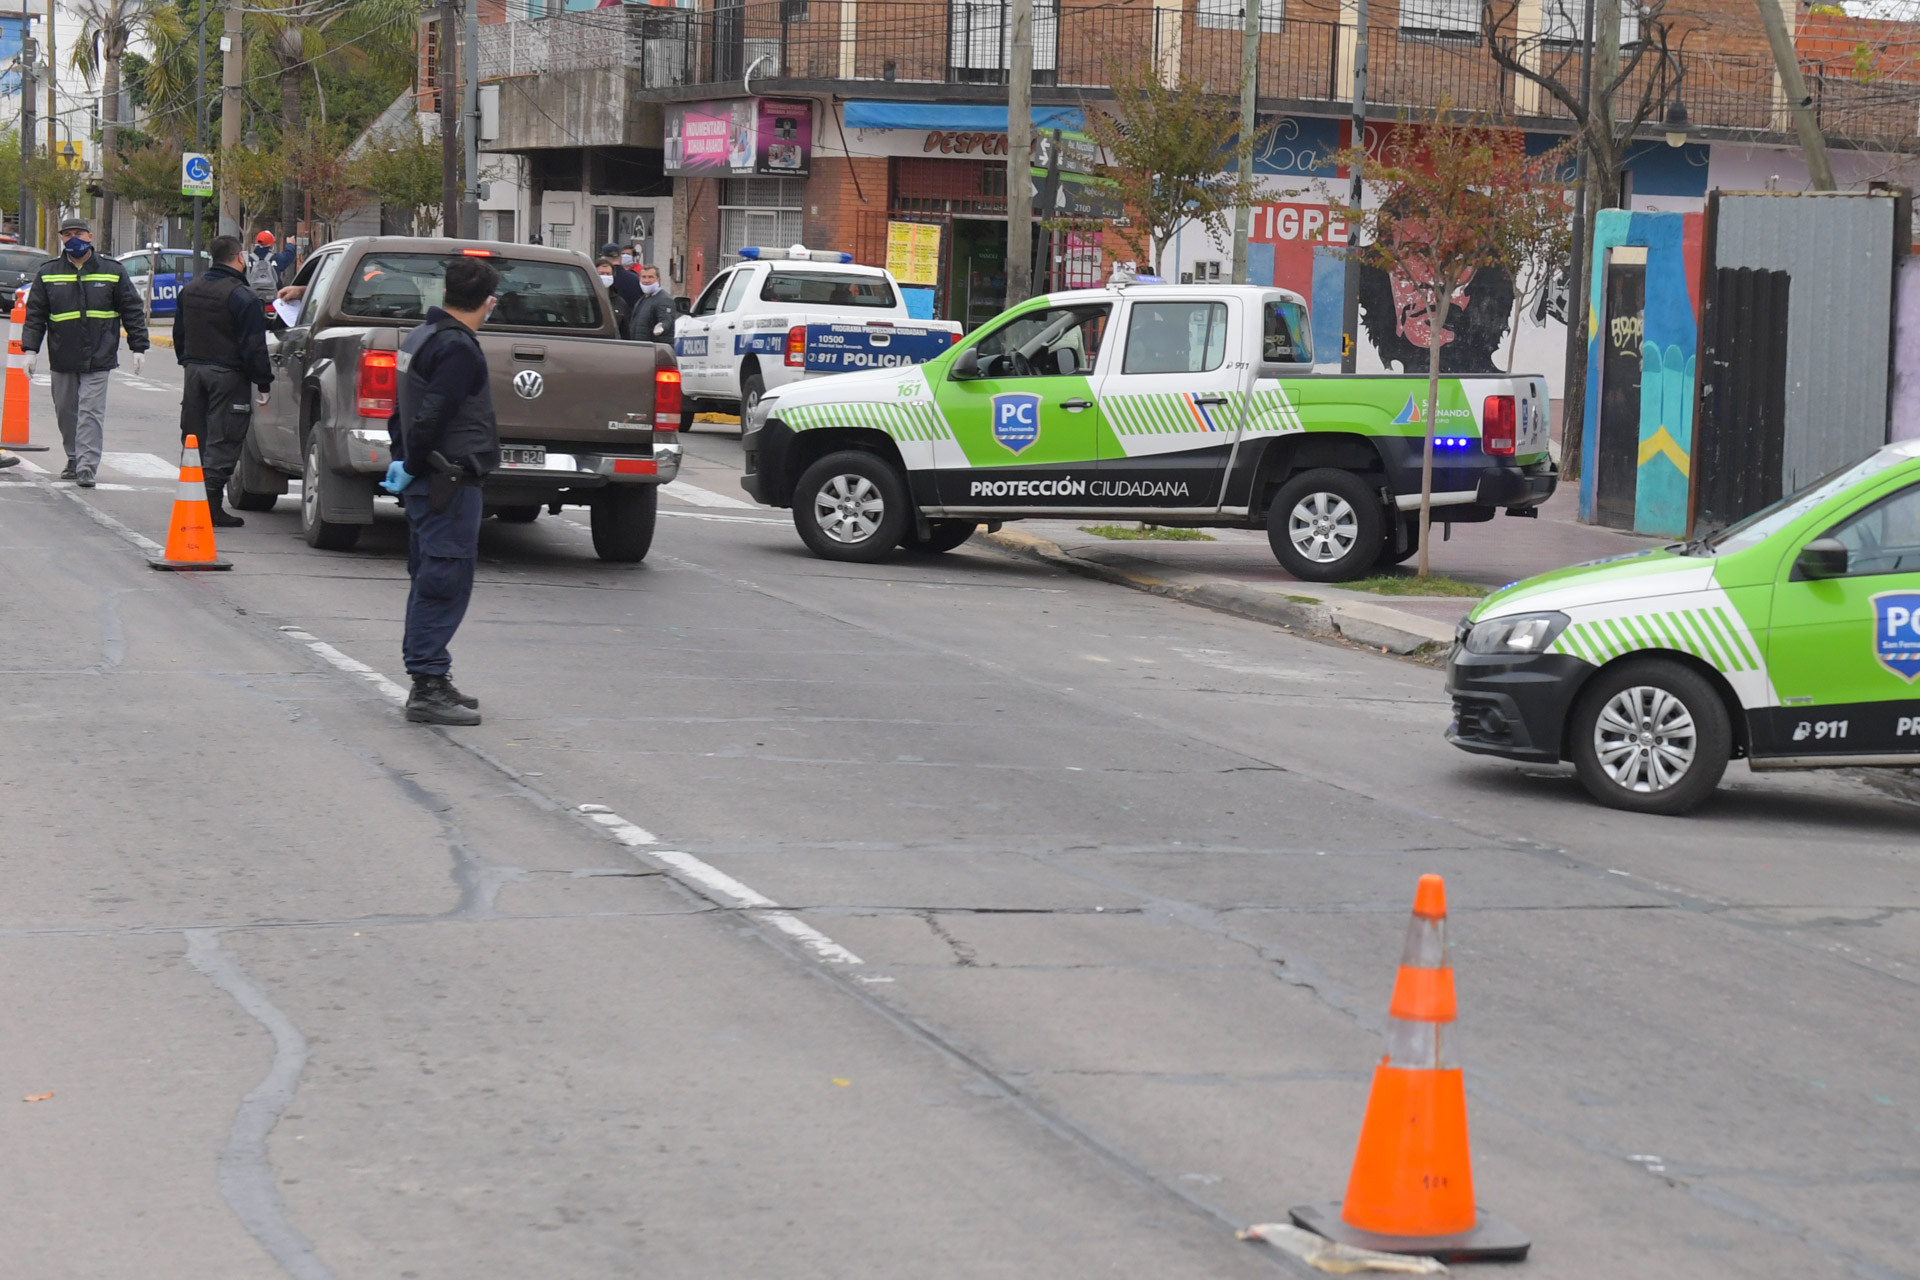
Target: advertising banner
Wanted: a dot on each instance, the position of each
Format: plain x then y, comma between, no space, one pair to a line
759,136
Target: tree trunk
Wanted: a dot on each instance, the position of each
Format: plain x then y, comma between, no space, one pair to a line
115,48
290,48
1438,319
1603,192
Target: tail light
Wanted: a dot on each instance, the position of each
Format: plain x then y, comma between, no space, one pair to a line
378,384
666,399
1497,436
797,347
953,339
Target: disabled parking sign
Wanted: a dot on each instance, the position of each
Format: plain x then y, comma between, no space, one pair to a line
1016,419
196,174
1896,632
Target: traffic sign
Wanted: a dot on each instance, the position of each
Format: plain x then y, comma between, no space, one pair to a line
196,174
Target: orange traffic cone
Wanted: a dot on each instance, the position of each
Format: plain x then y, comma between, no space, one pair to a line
190,535
14,421
1412,1185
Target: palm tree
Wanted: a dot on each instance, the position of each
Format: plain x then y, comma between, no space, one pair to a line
107,27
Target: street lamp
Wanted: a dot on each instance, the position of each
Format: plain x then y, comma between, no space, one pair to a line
1677,125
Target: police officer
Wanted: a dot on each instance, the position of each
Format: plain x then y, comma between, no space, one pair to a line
77,304
444,441
220,337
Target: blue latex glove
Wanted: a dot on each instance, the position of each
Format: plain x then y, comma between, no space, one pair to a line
398,478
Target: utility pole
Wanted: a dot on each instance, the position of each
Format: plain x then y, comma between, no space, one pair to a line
448,65
28,52
50,216
230,113
1249,91
1350,298
1020,155
470,53
1799,101
1574,399
199,119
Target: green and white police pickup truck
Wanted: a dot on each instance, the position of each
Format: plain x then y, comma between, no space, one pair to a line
1190,406
1791,638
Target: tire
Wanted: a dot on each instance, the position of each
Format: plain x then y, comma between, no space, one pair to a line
1656,694
1326,525
945,536
316,483
752,388
623,520
517,515
241,498
864,500
1387,554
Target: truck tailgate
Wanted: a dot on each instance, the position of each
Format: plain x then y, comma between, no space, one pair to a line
842,346
572,390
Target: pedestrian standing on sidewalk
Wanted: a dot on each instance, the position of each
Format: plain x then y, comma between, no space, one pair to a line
78,303
445,442
622,313
220,339
265,269
653,318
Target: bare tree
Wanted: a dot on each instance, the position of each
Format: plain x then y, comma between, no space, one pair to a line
1632,85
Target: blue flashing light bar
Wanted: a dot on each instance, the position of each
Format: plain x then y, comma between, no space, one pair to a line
798,253
1454,442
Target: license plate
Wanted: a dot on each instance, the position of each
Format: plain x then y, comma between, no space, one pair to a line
523,455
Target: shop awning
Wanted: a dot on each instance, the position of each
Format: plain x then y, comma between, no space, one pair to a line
984,118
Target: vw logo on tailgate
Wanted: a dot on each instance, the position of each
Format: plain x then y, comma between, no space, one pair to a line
528,384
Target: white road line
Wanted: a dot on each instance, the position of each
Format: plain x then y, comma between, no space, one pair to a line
713,881
149,466
699,497
720,519
392,691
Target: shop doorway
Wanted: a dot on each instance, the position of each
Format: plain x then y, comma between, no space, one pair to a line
1621,332
979,271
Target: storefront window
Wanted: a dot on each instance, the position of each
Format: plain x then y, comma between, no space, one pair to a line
758,211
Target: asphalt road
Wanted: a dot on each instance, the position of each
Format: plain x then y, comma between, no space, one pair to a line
951,918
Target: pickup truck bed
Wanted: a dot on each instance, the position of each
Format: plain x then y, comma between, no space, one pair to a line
586,418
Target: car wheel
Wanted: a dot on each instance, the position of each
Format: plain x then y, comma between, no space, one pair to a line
315,482
850,506
242,500
517,515
1326,525
753,388
623,517
945,535
1651,736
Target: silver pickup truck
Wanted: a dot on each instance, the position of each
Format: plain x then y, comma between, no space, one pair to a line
586,418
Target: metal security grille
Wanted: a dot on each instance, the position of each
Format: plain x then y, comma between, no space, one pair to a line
760,211
969,188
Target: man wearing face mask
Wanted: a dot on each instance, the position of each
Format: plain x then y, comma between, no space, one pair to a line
625,283
445,442
622,313
653,318
77,304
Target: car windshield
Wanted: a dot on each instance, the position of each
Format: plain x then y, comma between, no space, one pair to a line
532,295
21,260
1769,520
827,289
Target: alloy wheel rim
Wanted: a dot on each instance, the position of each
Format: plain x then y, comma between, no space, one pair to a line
310,485
1645,739
1323,527
849,508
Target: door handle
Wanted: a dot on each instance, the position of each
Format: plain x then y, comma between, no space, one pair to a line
1209,399
1075,406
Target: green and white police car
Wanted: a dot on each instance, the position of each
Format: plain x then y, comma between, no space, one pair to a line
1791,638
1183,405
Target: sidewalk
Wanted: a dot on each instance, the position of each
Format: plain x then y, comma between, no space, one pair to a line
1237,572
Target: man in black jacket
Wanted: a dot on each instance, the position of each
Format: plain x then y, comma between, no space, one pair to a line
77,304
220,337
445,442
625,283
653,318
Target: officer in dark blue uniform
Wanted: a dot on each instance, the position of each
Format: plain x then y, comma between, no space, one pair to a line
445,442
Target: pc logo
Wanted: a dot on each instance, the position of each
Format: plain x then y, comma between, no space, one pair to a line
1016,419
1896,632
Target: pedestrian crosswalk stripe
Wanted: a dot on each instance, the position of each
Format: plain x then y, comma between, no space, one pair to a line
147,465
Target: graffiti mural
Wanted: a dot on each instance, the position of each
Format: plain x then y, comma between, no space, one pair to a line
1398,322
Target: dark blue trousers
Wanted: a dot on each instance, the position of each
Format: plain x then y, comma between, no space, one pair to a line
441,550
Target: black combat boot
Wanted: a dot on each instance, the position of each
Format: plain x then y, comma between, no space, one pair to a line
431,702
464,699
221,517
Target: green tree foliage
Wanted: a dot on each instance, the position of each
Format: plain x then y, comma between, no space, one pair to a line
1454,198
1171,156
107,27
255,174
317,163
53,186
406,175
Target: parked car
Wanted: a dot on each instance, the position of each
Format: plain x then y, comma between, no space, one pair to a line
16,269
782,315
175,269
585,418
1187,405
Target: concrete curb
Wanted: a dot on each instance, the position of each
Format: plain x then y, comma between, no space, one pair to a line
1301,607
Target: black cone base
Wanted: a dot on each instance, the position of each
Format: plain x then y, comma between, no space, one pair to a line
1491,1240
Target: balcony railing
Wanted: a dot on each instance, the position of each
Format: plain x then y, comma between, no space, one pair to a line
1079,47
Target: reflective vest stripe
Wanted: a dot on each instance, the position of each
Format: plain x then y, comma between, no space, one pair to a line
73,279
102,315
97,277
64,315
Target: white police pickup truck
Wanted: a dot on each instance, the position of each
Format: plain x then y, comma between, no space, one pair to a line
781,315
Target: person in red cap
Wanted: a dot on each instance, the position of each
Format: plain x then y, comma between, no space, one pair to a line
265,267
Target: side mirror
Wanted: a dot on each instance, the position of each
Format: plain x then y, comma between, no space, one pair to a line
1822,558
966,365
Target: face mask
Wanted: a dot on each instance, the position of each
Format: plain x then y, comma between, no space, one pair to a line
626,259
78,248
606,280
649,289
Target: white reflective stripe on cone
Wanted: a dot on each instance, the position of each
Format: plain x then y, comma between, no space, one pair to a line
191,458
1420,1046
191,491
